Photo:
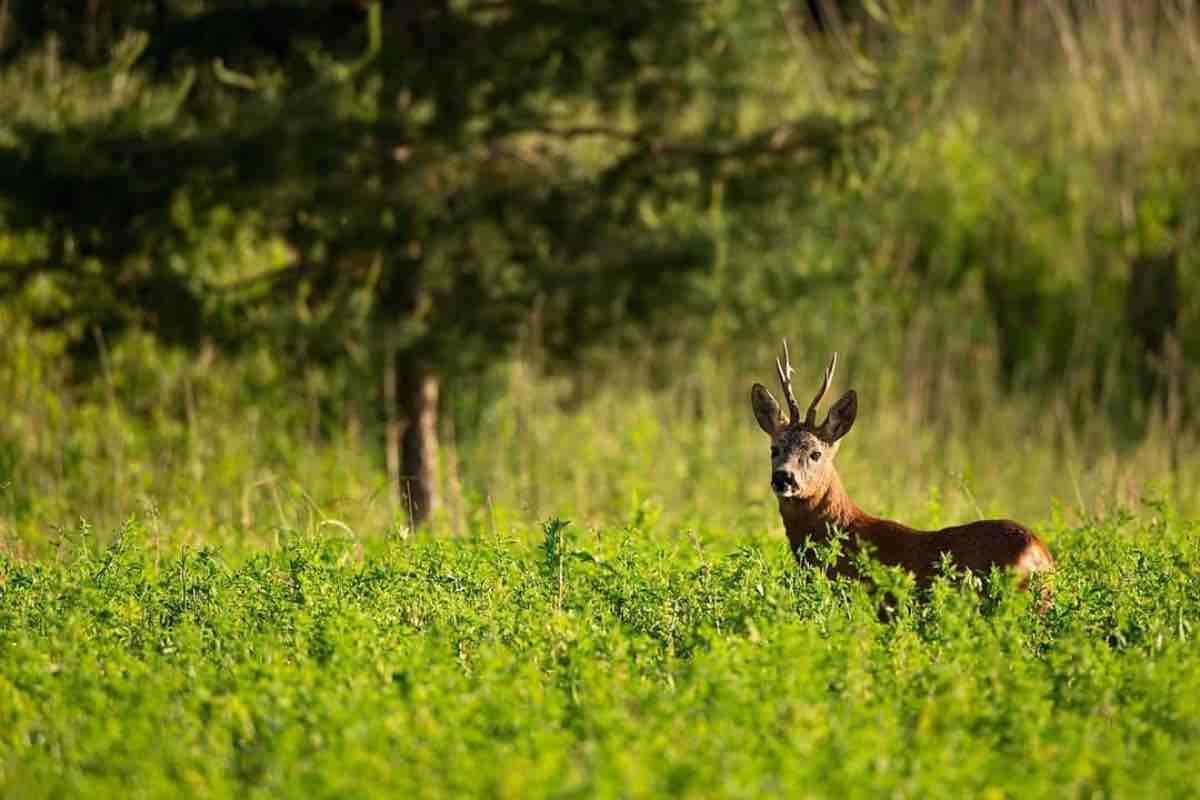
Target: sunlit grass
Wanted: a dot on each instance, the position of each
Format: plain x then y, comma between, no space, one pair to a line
612,662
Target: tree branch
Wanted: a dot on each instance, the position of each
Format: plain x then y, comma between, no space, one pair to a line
20,274
814,132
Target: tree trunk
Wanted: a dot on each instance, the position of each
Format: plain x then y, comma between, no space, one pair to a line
97,32
1152,310
420,490
3,26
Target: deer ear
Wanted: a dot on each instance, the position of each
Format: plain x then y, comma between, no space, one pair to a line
766,410
841,417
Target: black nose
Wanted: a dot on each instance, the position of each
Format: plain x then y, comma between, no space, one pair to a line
781,480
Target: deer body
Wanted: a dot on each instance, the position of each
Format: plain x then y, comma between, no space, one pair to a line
813,502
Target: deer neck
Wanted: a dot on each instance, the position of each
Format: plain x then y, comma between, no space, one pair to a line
814,516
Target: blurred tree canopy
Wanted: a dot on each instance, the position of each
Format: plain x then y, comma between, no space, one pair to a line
410,190
411,184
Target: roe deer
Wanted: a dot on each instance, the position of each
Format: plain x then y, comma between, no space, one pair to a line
812,501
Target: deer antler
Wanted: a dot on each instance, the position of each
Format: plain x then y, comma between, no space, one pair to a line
785,380
810,419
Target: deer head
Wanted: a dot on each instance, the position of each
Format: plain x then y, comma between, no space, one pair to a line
801,450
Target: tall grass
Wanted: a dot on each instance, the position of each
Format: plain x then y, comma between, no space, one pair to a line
225,452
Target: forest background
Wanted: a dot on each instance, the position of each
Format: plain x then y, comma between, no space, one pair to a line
273,265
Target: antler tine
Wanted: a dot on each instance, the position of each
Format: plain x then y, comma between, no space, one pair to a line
810,419
785,380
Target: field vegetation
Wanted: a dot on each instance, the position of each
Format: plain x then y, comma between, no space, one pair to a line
627,661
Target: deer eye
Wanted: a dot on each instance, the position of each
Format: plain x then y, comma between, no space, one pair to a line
815,455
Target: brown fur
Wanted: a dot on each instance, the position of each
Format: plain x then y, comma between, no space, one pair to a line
813,503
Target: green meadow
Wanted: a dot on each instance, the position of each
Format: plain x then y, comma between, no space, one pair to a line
375,396
624,661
